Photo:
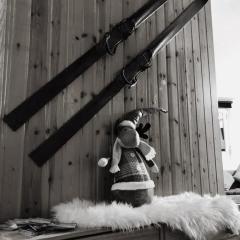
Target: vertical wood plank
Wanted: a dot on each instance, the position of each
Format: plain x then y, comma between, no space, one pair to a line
183,105
142,87
102,121
141,43
202,147
71,176
59,60
173,106
35,128
104,136
108,74
129,52
116,63
116,16
3,25
165,168
212,75
152,96
52,121
3,54
62,112
191,98
16,74
87,161
45,176
207,104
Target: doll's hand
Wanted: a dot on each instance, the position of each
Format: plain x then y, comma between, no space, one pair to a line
151,154
114,169
155,169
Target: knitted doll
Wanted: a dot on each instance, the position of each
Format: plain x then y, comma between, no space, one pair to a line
132,183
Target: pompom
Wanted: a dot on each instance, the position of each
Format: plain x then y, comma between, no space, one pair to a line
103,162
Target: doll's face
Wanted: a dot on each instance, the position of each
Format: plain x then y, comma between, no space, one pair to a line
129,137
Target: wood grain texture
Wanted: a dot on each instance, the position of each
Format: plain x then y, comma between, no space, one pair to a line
211,158
212,80
56,107
130,50
3,22
106,148
102,125
183,104
70,162
40,38
15,78
191,104
153,101
201,131
173,106
165,167
34,129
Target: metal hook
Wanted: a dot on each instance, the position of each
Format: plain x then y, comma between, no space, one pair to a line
109,50
131,82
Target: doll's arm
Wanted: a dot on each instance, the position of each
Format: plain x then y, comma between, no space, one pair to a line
153,166
116,156
149,153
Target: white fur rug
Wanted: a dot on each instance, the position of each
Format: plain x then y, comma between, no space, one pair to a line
191,213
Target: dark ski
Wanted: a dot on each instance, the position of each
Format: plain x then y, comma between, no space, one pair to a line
128,76
108,44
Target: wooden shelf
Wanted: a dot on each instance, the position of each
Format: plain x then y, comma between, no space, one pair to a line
148,233
153,233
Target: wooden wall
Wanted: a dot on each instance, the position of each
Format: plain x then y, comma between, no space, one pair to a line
40,38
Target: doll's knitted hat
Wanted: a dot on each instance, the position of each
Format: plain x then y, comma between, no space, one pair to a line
131,119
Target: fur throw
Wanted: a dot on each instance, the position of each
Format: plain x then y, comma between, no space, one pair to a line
190,213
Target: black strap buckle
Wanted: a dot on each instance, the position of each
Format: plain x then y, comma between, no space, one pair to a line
126,27
147,64
119,33
144,64
130,82
108,48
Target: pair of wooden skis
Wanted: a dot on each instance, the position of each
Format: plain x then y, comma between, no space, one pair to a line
127,76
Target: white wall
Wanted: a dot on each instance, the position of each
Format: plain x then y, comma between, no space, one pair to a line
226,29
